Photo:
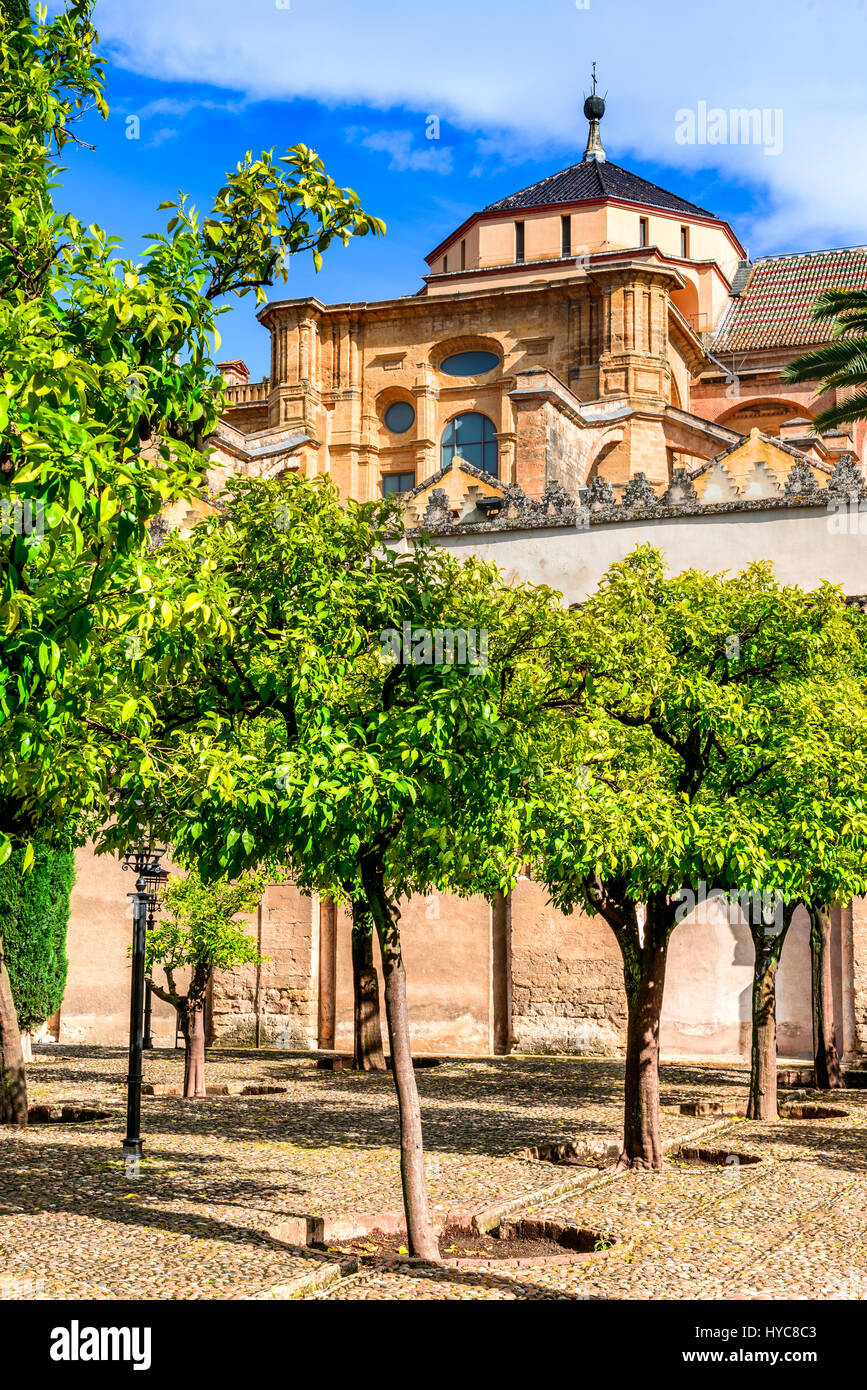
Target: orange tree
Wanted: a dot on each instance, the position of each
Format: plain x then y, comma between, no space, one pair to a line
701,745
108,391
363,723
198,931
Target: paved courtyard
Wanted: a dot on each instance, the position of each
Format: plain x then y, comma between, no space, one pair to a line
230,1184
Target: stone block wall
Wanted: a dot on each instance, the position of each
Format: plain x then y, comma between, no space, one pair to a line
274,1004
858,921
567,984
565,451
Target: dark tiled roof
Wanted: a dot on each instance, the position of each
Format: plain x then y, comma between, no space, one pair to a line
775,307
586,182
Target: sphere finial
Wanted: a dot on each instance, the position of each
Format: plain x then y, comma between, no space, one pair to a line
594,106
594,110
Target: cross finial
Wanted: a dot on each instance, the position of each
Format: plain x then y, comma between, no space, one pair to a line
594,110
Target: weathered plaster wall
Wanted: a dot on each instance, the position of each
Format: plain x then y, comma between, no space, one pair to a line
707,1007
447,954
566,982
804,544
96,1003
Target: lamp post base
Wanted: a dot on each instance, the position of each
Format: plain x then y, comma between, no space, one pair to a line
132,1148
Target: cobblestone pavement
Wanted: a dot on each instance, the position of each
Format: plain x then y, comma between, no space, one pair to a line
219,1173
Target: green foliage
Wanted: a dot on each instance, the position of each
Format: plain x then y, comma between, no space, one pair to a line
718,734
15,11
34,911
198,926
108,391
841,364
300,742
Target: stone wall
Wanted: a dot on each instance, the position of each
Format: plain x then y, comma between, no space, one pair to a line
560,977
274,1005
568,996
858,926
447,952
567,985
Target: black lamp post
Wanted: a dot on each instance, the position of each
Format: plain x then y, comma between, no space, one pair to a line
154,882
145,861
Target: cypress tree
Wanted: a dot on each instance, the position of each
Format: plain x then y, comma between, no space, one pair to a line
34,909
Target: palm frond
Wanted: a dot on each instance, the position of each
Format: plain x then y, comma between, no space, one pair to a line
846,413
830,303
841,356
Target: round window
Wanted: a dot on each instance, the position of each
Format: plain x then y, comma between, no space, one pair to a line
469,363
399,417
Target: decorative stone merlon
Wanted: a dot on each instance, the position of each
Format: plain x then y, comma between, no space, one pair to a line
801,481
681,489
846,478
437,513
638,494
600,493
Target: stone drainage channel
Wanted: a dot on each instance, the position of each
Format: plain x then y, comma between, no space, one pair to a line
316,1234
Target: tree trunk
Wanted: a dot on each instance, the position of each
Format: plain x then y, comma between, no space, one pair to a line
763,1048
193,1028
829,1073
13,1084
367,1053
644,976
762,1103
420,1232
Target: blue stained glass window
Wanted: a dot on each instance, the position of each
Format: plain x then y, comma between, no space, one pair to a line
399,417
473,438
469,363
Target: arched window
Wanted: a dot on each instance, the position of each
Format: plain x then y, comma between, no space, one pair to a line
473,438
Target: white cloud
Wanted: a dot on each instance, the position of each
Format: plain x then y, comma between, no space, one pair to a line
164,133
498,66
405,153
174,106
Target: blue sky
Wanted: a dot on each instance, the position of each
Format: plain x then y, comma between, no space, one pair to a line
357,80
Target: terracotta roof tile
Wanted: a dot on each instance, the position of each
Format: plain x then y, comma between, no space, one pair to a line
775,307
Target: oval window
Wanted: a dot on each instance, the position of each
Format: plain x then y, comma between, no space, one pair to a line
399,417
469,363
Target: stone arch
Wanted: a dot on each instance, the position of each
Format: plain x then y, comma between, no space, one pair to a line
466,409
765,413
389,396
604,447
466,342
485,447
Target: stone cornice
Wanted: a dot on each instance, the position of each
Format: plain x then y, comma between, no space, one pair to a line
596,506
574,516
